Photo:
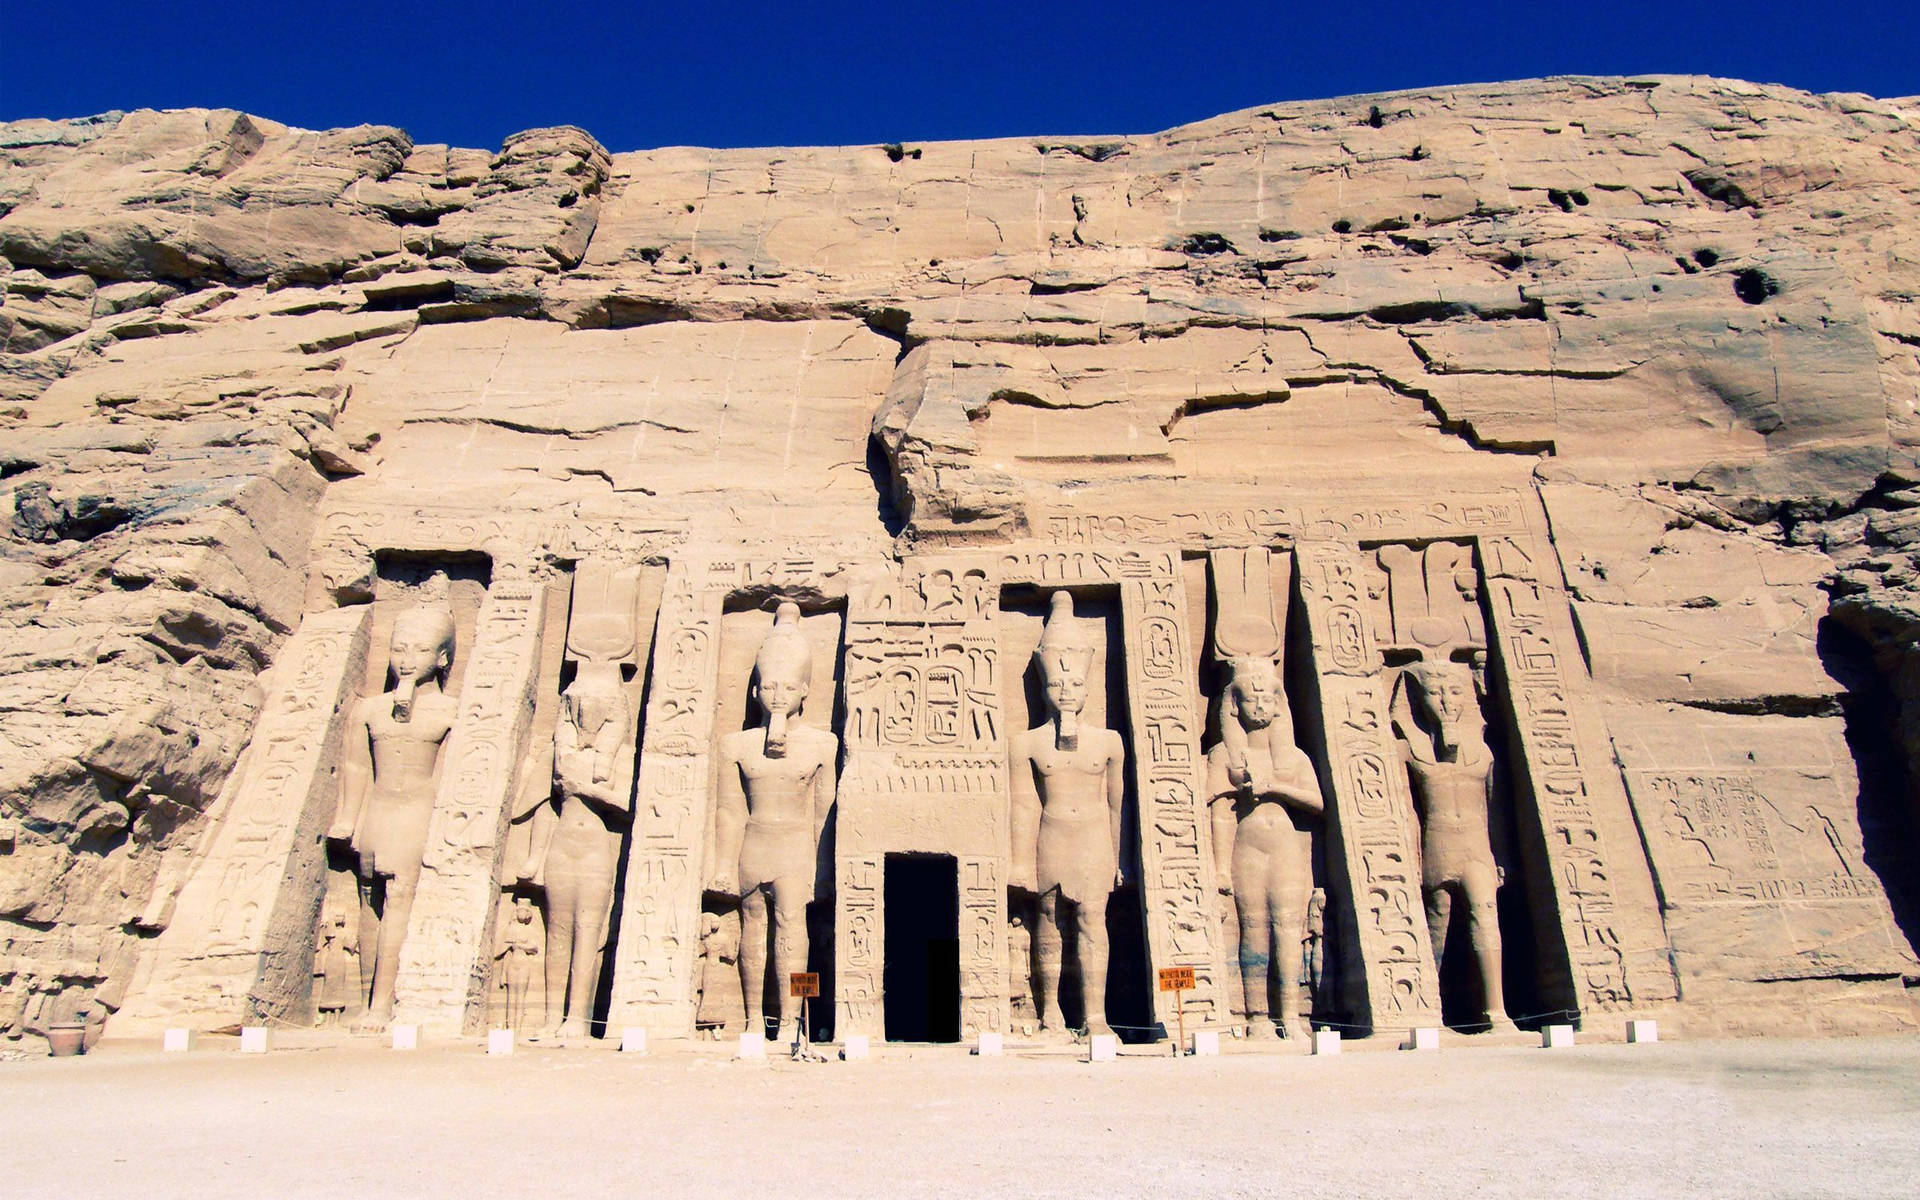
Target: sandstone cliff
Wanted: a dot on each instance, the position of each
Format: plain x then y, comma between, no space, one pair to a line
1689,309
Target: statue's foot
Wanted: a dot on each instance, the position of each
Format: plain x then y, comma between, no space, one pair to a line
373,1021
1099,1029
570,1030
1499,1022
1260,1028
1296,1029
1053,1034
789,1033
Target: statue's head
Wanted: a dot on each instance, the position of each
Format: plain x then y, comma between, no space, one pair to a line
783,671
1065,655
1447,693
523,910
422,644
1256,690
594,697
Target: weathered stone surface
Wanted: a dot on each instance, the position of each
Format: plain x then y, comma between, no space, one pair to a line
1646,351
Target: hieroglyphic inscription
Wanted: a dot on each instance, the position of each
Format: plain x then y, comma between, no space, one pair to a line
1230,522
446,961
1529,641
926,773
1744,849
660,921
1371,818
1176,856
240,945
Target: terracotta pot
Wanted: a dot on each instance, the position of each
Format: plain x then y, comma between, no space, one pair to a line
67,1038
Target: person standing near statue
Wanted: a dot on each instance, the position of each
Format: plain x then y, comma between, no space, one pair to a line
1443,740
1068,787
388,778
1266,803
777,785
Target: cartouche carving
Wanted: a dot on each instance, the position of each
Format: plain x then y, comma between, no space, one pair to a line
1068,784
387,787
777,787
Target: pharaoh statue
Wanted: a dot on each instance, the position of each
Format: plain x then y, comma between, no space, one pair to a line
575,855
777,786
519,957
1266,803
1067,787
1437,718
332,964
388,778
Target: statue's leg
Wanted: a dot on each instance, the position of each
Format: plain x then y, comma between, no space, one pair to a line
1289,930
394,912
789,950
563,904
1439,916
1256,949
593,908
1090,944
1482,888
369,935
753,957
1048,952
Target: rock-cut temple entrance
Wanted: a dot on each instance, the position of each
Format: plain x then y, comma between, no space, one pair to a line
922,975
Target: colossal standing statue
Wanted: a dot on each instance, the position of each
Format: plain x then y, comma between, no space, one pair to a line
388,776
1266,803
777,785
1068,784
1443,739
576,857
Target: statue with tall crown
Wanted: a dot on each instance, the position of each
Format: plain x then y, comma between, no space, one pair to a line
777,785
389,775
1068,786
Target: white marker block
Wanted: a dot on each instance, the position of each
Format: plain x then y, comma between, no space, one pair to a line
1326,1041
633,1040
856,1047
1103,1047
752,1045
406,1037
177,1041
1421,1039
1643,1031
1206,1044
1556,1037
500,1041
990,1045
253,1039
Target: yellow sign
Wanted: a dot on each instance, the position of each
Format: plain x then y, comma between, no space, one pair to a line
803,985
1176,979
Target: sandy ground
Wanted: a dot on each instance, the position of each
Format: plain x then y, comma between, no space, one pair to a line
1745,1118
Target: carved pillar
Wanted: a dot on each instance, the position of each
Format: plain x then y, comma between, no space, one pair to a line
1176,836
1373,856
659,924
240,942
1616,951
445,963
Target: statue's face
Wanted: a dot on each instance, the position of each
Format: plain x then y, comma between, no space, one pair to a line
416,651
1259,696
1066,686
1449,695
782,694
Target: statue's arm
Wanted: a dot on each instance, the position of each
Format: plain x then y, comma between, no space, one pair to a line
1300,790
1225,826
607,741
729,825
356,776
1024,820
826,784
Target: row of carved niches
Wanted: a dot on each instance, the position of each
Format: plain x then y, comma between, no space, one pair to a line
1075,909
1484,876
766,911
424,615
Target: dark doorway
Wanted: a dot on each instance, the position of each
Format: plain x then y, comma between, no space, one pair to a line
921,984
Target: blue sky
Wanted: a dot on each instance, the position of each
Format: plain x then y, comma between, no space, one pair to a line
851,71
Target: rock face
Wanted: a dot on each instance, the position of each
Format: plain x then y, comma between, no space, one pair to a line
1605,392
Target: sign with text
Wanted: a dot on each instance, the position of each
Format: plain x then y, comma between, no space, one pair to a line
805,985
1176,979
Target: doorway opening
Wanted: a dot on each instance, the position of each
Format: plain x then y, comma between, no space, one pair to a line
921,980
